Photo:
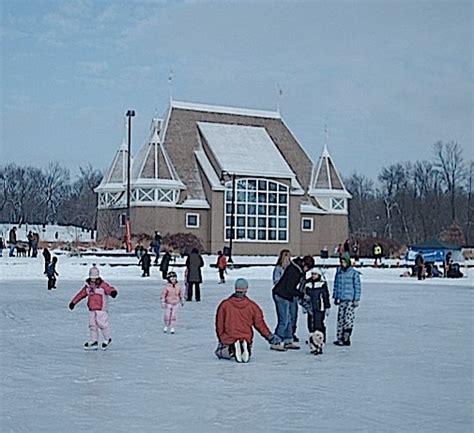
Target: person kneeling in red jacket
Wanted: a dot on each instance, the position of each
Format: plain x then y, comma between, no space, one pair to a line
236,317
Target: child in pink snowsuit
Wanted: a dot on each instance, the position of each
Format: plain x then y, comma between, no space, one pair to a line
171,299
96,291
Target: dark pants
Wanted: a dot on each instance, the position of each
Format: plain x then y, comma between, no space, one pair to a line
46,264
420,272
316,322
146,272
294,314
51,282
190,292
221,275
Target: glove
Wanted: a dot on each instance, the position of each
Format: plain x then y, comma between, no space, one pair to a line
337,301
114,294
327,313
355,304
71,306
273,339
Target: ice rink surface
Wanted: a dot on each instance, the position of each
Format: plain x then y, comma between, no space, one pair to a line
410,368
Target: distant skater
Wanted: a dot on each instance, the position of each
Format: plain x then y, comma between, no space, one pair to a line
51,273
221,266
172,298
47,259
145,262
97,291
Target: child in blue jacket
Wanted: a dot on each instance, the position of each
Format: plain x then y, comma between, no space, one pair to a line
346,295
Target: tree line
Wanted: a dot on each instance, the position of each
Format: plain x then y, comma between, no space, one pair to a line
409,202
49,196
415,200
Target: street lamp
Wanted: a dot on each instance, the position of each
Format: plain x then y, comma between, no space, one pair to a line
232,212
128,230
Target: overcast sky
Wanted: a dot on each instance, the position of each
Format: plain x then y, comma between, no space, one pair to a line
389,78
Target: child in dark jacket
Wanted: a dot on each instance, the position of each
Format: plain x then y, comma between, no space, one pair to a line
316,291
51,273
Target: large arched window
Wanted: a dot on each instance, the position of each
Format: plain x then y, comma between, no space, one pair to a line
260,213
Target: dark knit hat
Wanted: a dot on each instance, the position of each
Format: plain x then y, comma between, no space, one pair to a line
241,285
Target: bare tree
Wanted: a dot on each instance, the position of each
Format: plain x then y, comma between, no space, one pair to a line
54,189
451,166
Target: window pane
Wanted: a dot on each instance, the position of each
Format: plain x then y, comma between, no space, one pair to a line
262,209
251,221
272,235
252,197
241,234
262,197
272,186
272,222
251,209
262,235
282,210
228,220
241,196
241,209
228,195
262,185
283,198
228,208
282,188
227,234
272,198
282,223
252,184
272,210
251,234
240,221
281,235
262,222
241,184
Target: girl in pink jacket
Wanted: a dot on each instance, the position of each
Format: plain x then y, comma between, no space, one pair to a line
171,298
96,291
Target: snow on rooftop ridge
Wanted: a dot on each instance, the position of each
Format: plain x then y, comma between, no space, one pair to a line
225,110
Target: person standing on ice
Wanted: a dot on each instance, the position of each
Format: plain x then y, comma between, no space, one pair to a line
236,317
172,298
284,292
194,263
346,295
96,291
51,273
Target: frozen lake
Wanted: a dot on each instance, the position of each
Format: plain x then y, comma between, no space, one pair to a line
410,368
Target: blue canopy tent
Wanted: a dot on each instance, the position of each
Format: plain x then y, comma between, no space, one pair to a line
434,250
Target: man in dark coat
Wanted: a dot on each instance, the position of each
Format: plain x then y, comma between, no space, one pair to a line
284,292
165,264
145,261
12,241
194,263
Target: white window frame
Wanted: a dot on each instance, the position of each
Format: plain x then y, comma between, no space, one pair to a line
123,219
275,216
338,204
303,220
190,226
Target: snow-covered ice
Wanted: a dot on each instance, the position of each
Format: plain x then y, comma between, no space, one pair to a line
410,368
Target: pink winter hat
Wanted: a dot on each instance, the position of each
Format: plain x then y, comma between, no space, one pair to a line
94,272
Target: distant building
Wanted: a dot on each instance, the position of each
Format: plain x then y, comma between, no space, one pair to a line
182,182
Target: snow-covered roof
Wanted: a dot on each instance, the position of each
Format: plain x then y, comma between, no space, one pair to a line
210,173
225,110
246,151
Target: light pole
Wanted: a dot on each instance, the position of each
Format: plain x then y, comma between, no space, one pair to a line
128,230
232,211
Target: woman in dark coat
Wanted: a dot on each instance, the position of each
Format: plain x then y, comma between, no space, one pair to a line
194,263
165,263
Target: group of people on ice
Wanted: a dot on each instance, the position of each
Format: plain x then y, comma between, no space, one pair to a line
238,315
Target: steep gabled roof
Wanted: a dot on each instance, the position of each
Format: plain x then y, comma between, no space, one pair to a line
182,138
325,178
152,164
116,175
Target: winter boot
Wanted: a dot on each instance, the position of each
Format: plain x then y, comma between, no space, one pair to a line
172,331
245,352
338,343
279,347
238,351
106,344
292,346
91,345
165,329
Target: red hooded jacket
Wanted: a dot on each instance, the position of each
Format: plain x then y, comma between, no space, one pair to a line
235,319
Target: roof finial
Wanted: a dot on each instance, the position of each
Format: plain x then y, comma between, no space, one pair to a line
279,96
326,137
170,83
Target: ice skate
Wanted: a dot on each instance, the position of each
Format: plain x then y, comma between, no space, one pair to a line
91,345
165,329
237,351
245,352
172,331
106,344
